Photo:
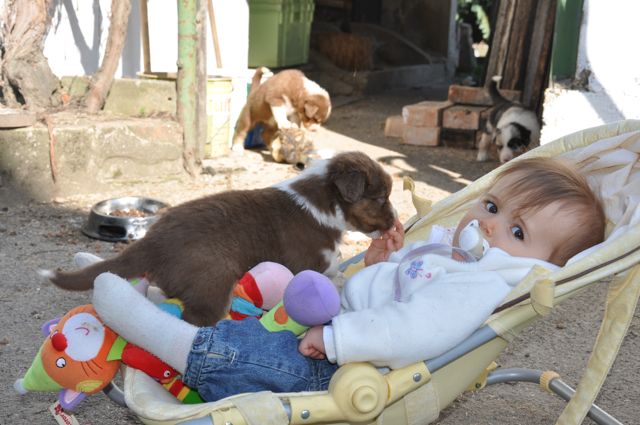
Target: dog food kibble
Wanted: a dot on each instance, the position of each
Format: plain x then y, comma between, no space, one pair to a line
129,212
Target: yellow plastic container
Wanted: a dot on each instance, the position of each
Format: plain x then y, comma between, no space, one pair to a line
219,120
219,93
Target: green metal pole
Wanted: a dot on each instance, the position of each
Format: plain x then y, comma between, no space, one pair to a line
187,82
566,38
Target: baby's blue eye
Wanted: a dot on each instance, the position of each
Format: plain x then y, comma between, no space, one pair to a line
491,207
517,232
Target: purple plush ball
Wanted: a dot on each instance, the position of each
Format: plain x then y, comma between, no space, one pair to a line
311,299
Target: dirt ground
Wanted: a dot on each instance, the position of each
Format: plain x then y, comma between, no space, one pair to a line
46,235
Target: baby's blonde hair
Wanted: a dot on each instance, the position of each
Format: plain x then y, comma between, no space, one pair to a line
538,182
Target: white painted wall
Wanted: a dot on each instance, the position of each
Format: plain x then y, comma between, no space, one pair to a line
608,48
79,30
78,35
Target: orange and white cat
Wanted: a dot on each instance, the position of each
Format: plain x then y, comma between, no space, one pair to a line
73,358
81,356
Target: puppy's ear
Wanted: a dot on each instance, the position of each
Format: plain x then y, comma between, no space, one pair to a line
525,134
350,185
516,143
310,109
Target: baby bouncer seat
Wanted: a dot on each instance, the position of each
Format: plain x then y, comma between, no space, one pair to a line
358,393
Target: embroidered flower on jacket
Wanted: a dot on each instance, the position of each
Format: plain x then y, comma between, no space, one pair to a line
414,269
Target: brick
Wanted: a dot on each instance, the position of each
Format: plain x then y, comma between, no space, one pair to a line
464,117
421,136
393,126
461,139
478,95
425,114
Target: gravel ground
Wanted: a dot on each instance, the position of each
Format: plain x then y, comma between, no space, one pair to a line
46,235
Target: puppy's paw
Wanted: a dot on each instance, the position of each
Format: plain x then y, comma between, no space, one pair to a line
286,124
237,150
482,156
156,295
313,127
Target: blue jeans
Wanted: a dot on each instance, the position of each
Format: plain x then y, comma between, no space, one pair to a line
235,357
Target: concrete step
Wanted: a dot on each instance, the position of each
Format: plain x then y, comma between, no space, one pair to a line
133,97
89,153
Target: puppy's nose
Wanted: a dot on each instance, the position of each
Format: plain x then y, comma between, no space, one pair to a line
505,155
391,220
313,126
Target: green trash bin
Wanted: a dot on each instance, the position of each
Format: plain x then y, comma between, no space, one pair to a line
279,32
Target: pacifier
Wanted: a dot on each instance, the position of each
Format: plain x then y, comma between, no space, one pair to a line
472,240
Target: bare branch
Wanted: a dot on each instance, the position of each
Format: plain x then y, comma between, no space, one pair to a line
102,80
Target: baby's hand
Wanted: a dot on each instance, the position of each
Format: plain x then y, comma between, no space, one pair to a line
381,248
312,344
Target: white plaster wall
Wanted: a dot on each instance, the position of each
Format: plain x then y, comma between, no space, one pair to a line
78,35
608,47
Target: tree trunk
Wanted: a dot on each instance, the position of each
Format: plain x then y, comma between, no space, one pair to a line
26,78
101,81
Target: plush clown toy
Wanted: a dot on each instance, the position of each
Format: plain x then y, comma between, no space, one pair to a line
81,356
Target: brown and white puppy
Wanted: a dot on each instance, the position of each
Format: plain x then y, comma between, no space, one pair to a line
510,127
286,100
196,251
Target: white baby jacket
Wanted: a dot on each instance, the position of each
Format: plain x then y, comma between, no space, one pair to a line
442,302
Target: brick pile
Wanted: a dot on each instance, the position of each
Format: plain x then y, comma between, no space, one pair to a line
453,122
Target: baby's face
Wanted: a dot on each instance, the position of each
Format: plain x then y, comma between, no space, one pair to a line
534,234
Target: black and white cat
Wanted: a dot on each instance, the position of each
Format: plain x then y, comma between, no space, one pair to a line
510,126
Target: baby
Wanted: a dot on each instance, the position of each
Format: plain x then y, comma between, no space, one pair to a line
537,211
408,305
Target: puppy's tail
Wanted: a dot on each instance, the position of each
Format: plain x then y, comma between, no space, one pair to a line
496,97
125,266
257,77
